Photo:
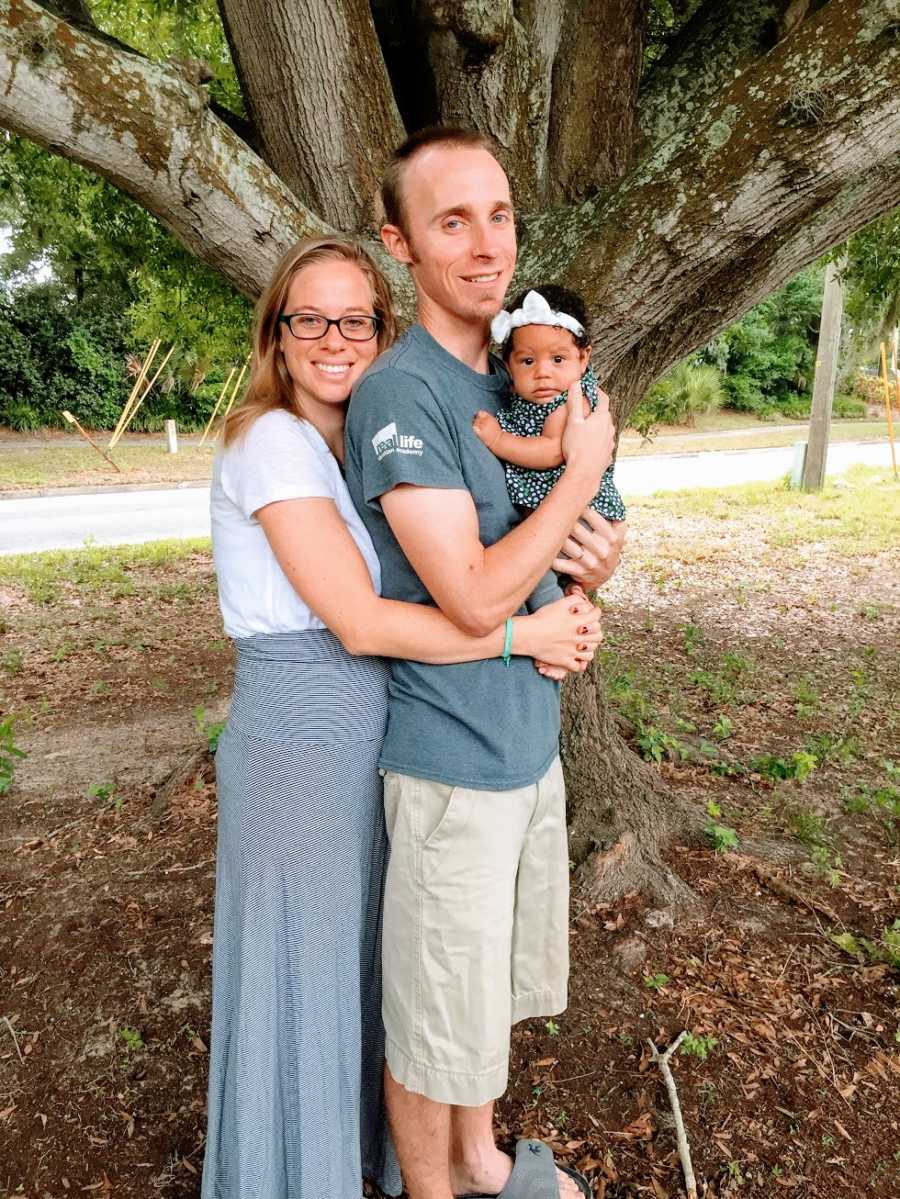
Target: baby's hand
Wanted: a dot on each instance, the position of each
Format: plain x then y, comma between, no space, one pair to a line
487,427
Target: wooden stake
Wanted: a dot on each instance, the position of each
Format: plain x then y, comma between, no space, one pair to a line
684,1150
236,387
103,454
218,402
143,397
888,405
151,354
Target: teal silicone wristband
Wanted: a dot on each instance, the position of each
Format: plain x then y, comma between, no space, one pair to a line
507,642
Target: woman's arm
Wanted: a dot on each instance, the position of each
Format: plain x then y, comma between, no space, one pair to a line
317,553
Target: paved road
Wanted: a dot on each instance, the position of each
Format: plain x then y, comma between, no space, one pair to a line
119,517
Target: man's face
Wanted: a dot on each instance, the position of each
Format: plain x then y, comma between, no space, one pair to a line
460,242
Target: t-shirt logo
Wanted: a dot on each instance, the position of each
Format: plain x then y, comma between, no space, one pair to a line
388,441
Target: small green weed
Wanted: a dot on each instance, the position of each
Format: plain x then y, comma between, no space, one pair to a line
722,837
132,1038
806,699
723,728
719,689
656,982
799,766
10,753
11,661
832,747
209,730
885,949
692,635
107,796
552,1028
699,1046
735,665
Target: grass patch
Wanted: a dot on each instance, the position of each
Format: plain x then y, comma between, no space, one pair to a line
675,440
102,570
73,466
858,513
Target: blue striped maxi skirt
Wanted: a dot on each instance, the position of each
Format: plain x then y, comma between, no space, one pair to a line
295,1085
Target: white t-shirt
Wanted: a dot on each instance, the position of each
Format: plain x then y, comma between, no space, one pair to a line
280,457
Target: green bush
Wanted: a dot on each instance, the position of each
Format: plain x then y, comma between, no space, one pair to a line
767,357
56,353
678,397
849,408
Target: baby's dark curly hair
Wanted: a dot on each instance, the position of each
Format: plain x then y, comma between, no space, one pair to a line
560,299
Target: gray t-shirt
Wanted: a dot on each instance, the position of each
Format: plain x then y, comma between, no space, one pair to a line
477,724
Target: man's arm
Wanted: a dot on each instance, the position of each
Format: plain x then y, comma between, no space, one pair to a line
477,587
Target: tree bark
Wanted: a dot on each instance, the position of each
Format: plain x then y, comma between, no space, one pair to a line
143,127
789,134
593,118
622,815
716,44
322,103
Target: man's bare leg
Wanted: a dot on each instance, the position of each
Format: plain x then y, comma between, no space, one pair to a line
477,1166
421,1131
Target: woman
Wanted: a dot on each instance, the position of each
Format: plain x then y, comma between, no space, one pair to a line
295,1107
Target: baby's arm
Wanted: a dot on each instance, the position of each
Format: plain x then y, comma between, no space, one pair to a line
536,453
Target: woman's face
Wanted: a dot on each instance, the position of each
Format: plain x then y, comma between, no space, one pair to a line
324,371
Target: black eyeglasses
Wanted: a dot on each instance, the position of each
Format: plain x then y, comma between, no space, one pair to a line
309,326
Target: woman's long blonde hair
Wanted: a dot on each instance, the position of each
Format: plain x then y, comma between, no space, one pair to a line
270,385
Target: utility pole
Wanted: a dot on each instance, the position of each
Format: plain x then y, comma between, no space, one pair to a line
826,374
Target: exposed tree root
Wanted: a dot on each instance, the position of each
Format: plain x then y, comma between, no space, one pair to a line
622,813
199,764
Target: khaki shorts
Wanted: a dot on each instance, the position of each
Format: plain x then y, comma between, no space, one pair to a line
475,929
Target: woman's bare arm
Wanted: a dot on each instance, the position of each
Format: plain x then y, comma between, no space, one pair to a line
317,553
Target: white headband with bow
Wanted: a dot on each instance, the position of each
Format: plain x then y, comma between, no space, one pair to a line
534,311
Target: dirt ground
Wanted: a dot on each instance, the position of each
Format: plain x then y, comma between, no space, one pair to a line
779,656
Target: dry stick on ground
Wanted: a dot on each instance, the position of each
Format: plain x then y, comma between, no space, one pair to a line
684,1150
12,1033
786,891
70,419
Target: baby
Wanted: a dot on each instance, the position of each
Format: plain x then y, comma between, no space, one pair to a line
544,343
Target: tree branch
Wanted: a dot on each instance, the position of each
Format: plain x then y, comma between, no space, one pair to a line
486,74
783,140
143,127
318,91
743,282
593,118
718,42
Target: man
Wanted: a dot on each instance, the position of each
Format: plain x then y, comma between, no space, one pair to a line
476,902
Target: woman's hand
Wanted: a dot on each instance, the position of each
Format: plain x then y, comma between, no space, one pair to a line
564,634
588,442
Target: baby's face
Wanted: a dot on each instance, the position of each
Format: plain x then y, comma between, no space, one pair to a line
544,361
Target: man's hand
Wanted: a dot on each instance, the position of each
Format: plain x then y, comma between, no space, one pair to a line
592,549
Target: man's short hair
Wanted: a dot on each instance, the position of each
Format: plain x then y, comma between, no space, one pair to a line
433,135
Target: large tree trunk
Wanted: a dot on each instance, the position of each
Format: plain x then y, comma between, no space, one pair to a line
622,815
765,134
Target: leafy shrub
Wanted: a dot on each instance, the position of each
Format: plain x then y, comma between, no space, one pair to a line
768,356
849,408
57,353
678,397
